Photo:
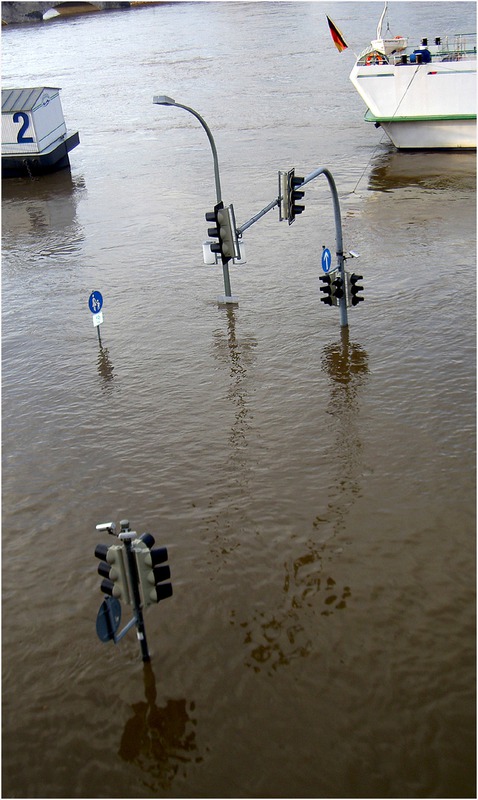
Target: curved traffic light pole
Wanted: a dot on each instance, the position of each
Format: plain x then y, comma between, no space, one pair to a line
339,243
338,229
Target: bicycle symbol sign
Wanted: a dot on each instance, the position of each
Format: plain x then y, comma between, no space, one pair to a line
95,302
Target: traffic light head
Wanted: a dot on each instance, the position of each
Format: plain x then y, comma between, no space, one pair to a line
152,570
289,196
326,289
213,232
338,287
295,196
354,289
113,570
224,231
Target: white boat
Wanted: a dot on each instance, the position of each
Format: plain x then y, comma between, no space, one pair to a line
424,97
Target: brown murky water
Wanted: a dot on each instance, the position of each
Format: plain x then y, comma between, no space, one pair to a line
315,487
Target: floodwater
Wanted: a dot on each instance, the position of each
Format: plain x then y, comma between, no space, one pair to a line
315,486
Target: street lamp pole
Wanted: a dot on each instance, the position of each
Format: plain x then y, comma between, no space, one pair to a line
164,100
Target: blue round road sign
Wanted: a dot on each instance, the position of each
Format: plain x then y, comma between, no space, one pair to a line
108,619
326,259
95,302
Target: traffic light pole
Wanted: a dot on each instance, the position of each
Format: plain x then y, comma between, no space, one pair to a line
127,536
338,235
163,100
338,230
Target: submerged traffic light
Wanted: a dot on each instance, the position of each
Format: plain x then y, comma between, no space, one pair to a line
354,288
295,196
225,232
332,288
113,570
289,196
152,570
338,287
326,289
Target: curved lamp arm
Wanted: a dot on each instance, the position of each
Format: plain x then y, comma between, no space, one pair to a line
164,100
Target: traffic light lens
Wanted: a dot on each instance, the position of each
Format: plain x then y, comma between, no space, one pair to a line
159,555
161,574
148,539
163,591
107,587
101,550
104,569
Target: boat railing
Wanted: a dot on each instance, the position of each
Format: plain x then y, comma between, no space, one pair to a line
454,48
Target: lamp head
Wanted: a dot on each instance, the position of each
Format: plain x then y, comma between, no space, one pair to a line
163,100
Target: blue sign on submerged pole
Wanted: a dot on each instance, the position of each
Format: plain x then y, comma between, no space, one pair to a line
326,259
95,302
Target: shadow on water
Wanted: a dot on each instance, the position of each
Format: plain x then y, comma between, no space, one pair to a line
276,638
157,739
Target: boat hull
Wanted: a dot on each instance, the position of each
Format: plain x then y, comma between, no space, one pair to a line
427,133
425,106
52,159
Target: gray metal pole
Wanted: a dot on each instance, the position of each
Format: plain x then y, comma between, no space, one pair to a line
225,266
127,535
338,235
213,148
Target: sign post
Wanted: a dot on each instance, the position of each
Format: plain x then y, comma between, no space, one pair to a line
95,304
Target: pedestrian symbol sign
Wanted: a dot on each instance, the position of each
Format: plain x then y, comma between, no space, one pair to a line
95,302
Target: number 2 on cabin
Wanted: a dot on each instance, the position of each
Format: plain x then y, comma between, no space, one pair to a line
20,116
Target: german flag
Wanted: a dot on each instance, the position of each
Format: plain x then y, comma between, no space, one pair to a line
337,37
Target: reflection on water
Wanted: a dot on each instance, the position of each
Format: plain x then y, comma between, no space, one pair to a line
346,365
433,171
105,367
238,354
276,638
159,740
52,203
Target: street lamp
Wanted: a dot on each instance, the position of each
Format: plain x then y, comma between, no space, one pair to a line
164,100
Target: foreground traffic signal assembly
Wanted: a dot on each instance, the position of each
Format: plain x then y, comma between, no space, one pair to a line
148,571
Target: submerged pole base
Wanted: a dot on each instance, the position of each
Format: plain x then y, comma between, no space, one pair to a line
228,300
